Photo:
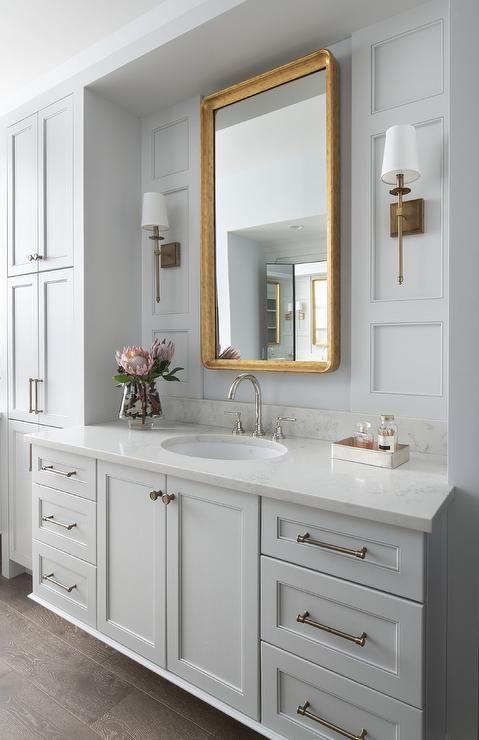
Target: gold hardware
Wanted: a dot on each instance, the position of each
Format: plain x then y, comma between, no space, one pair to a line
305,618
299,68
154,495
37,410
31,410
306,539
51,520
305,712
170,255
157,254
167,497
51,469
407,217
50,578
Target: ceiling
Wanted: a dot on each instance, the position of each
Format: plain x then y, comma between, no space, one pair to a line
252,37
37,36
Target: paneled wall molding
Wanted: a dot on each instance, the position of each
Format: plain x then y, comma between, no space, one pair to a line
399,339
168,139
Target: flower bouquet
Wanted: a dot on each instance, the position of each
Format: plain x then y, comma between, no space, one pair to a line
138,371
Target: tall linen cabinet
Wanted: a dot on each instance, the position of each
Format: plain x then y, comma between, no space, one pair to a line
70,280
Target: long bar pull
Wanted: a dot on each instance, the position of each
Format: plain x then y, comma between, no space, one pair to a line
31,410
305,712
51,520
306,539
305,618
51,469
37,410
51,579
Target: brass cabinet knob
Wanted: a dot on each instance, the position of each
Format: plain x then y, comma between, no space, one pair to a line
155,495
167,497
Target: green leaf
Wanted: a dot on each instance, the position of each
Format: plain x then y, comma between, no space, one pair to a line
122,378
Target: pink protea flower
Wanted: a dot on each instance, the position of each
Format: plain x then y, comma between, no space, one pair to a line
163,350
135,361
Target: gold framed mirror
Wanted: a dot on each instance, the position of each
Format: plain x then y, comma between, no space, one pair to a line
270,216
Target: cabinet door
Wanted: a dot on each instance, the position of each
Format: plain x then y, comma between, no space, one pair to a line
23,346
131,560
212,591
20,493
55,168
58,391
22,196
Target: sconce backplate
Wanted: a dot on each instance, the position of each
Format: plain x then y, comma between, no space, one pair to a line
414,217
170,254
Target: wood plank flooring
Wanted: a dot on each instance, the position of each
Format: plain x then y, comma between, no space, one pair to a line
59,683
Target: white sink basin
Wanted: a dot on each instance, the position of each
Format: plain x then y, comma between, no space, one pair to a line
222,447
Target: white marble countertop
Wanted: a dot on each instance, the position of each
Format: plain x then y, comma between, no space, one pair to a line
409,496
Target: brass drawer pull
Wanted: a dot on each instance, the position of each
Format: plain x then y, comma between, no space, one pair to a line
50,578
51,469
51,520
165,497
154,495
305,618
306,539
37,410
305,712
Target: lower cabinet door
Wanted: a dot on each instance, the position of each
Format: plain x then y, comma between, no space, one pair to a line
20,492
305,702
131,559
212,591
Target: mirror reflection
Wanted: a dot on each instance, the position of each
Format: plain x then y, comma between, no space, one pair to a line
271,224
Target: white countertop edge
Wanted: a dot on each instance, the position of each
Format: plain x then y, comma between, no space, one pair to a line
414,520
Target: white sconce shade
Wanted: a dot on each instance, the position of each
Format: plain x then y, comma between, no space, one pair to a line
400,154
154,212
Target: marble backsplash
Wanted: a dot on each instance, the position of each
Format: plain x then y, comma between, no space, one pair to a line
423,435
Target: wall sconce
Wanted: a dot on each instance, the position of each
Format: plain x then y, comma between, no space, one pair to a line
289,312
155,218
400,166
300,310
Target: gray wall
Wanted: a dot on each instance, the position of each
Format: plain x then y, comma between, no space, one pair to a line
464,373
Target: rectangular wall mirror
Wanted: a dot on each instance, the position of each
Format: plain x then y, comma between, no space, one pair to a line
270,221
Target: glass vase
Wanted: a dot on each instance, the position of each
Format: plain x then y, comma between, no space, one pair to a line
140,404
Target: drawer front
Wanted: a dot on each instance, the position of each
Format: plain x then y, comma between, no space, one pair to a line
333,706
64,521
64,471
375,638
65,582
393,558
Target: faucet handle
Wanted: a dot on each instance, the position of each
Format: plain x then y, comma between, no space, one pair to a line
237,425
278,428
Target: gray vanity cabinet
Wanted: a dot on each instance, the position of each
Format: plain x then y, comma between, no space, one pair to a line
131,559
212,591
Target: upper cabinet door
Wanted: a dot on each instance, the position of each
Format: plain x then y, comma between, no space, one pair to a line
55,176
22,163
23,344
58,388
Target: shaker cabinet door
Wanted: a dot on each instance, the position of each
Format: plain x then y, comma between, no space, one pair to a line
212,591
131,559
58,390
20,493
23,347
55,168
22,196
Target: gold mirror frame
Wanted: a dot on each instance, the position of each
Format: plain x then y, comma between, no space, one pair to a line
309,64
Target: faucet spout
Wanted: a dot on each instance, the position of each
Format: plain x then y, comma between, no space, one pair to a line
258,431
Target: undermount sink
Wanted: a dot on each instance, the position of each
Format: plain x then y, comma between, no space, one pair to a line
222,447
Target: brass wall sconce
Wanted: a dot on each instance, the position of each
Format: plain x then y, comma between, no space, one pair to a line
401,166
289,312
300,313
155,218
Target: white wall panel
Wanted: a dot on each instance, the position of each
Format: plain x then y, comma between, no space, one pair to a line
408,67
168,138
399,333
406,359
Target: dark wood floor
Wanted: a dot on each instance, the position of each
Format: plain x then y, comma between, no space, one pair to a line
57,683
